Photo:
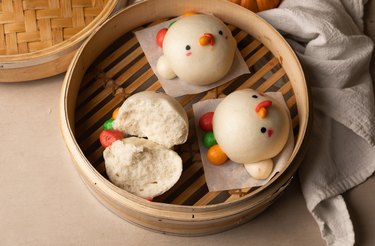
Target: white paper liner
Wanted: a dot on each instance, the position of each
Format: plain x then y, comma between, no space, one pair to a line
232,175
177,87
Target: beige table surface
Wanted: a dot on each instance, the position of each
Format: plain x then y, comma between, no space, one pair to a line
44,202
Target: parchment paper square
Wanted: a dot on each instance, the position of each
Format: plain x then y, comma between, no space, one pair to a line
177,87
232,175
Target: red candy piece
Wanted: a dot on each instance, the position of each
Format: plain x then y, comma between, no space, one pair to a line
160,37
107,137
264,104
211,38
205,122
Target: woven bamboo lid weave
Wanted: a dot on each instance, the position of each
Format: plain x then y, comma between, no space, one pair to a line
38,38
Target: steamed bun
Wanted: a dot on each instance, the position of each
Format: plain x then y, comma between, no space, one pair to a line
199,49
250,127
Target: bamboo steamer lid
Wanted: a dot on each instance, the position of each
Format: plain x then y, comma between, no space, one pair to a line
112,55
38,38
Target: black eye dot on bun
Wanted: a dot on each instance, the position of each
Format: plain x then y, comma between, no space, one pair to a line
221,32
254,96
263,130
187,47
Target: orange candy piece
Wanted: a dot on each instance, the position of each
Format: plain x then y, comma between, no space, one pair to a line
262,113
216,155
115,113
189,13
204,40
207,39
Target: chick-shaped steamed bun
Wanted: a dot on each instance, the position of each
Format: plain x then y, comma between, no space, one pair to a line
199,49
251,128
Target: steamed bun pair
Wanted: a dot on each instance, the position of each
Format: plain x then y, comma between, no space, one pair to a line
143,163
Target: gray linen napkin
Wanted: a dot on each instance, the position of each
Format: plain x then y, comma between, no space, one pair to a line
327,36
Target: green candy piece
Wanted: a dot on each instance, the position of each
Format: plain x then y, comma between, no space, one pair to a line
171,24
108,124
209,139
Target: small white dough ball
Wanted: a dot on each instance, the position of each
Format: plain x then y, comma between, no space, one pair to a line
247,135
164,69
200,49
260,170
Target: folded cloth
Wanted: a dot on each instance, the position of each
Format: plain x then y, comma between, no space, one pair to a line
327,36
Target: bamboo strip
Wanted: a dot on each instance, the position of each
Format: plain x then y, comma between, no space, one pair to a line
259,74
91,139
93,119
250,47
139,81
117,53
240,35
124,62
206,199
257,56
197,184
271,80
285,88
236,196
291,102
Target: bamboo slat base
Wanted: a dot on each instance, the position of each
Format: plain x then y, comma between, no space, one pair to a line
123,65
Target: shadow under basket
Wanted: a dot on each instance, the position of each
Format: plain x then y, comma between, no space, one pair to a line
111,63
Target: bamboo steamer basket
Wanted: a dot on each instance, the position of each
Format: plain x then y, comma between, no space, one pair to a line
38,38
113,57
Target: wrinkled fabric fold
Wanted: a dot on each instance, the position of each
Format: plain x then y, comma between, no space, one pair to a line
328,39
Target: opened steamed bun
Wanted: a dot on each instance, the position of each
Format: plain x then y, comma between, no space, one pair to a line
147,167
142,167
156,116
